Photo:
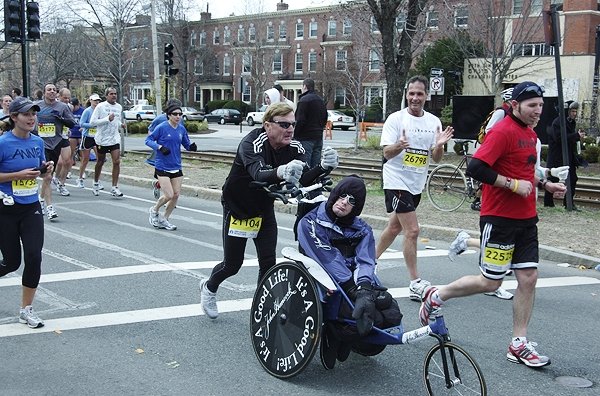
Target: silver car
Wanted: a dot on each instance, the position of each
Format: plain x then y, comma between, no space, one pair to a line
191,114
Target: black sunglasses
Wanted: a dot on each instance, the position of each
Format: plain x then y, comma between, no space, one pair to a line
285,124
176,114
348,198
539,91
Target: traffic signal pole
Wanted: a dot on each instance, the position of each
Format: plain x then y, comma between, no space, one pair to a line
24,51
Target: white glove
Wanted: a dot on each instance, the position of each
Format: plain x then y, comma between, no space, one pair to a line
291,172
329,159
562,172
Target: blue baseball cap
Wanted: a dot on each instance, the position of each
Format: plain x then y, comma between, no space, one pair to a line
22,104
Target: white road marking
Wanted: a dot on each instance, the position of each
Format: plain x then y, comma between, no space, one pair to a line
189,310
69,260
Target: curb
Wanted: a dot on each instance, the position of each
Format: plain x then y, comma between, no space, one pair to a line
379,222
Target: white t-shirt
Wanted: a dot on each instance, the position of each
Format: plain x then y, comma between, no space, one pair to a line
107,132
408,170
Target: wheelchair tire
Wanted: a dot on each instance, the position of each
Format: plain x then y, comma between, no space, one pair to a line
464,372
366,349
285,320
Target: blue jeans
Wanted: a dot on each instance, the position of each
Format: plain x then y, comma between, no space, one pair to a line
313,151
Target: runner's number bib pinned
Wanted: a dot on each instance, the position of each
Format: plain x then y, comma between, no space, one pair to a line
46,130
496,257
245,228
415,160
24,188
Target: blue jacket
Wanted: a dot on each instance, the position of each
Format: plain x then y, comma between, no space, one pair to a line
172,138
317,234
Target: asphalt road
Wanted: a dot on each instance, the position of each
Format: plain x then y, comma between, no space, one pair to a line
120,300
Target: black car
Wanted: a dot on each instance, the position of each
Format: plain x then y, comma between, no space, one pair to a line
224,116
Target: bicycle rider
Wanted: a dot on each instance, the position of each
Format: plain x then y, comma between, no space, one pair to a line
266,154
333,235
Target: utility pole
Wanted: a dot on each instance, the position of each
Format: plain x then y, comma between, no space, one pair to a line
157,88
595,88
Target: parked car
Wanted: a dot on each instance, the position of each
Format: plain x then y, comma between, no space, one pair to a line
256,117
140,112
340,120
224,116
191,114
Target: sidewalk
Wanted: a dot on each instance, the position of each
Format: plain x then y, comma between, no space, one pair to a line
378,222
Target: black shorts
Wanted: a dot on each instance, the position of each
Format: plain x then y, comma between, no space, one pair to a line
54,154
108,149
170,175
87,143
504,248
401,201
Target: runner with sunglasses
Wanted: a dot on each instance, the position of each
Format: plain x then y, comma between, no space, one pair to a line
167,139
506,165
266,154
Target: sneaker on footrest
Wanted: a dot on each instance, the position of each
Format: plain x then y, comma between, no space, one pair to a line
415,289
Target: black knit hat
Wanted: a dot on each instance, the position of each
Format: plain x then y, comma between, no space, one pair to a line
352,185
172,108
527,90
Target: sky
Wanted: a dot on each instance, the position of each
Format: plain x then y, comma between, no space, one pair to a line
224,8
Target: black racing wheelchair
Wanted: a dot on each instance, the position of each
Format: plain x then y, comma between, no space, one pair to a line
297,297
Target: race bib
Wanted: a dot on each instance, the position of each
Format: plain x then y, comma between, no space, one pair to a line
415,160
91,132
497,257
246,228
46,130
24,188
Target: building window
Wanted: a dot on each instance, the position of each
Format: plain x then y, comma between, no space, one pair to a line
282,31
198,66
226,35
133,43
144,69
246,63
331,28
347,28
340,96
298,63
216,37
340,60
374,63
312,28
532,49
270,33
247,94
241,34
312,62
226,65
517,7
374,27
193,39
202,38
371,94
432,19
252,33
216,66
461,16
401,21
536,7
197,94
277,62
299,30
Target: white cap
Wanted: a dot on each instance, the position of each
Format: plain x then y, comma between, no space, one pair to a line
94,97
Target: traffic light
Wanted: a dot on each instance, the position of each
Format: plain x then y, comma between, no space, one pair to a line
168,54
33,21
172,71
12,21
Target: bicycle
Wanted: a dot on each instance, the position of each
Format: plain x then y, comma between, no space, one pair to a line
297,297
448,187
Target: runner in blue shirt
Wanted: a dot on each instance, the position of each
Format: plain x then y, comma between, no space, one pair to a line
22,161
88,132
167,138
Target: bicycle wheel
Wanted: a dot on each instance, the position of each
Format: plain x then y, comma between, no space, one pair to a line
285,320
447,187
464,373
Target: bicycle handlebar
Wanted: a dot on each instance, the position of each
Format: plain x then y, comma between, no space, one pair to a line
283,190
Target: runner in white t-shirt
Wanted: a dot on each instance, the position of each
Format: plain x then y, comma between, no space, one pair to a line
410,138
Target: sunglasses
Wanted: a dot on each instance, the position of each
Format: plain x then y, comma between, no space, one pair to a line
285,124
348,198
539,91
177,114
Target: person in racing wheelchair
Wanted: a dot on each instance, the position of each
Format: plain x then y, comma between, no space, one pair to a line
332,234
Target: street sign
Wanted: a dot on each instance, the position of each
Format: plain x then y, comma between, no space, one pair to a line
436,85
436,72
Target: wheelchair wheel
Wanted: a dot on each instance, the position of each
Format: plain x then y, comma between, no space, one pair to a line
447,187
465,376
366,349
286,319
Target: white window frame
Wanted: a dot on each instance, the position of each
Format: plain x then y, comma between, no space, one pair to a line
241,34
331,28
313,29
373,25
372,93
277,65
461,16
340,93
247,93
347,27
226,65
374,61
252,33
341,58
226,35
270,33
312,61
299,31
400,22
282,31
198,67
517,7
202,38
246,63
433,19
299,62
216,37
197,94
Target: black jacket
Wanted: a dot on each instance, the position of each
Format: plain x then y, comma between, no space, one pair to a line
555,158
311,117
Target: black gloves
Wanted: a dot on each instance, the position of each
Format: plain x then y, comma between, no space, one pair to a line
164,150
364,308
193,147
